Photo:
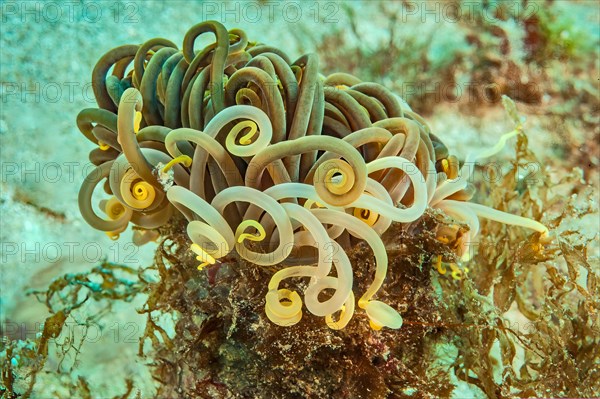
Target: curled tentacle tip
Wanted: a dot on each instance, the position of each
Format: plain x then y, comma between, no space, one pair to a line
445,166
141,191
383,315
181,159
457,273
440,266
310,204
365,215
103,146
201,266
137,121
249,135
283,307
113,235
113,208
241,236
374,325
203,256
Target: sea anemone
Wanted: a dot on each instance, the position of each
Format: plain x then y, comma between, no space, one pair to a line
270,160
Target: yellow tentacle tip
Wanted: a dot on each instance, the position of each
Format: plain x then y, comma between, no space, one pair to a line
375,326
136,192
366,215
182,159
246,138
137,121
450,167
440,266
113,235
383,315
141,190
103,146
336,177
310,204
445,166
203,256
283,307
233,38
457,274
443,239
113,208
201,266
241,236
297,72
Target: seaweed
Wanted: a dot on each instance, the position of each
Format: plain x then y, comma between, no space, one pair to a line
24,361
